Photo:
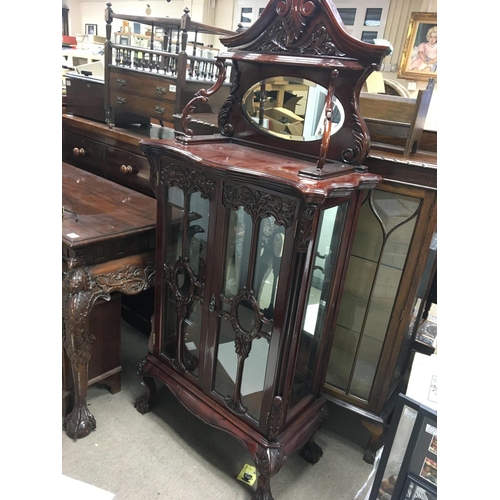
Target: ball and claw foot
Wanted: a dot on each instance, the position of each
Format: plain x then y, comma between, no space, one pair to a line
79,423
369,457
144,404
263,491
311,452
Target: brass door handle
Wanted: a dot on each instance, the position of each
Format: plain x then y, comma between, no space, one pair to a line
78,152
128,169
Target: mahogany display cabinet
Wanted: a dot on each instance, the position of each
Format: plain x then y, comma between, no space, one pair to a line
243,323
374,337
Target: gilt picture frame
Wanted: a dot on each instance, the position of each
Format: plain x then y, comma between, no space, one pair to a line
419,58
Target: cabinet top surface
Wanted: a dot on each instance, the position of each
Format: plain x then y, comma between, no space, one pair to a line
245,163
105,210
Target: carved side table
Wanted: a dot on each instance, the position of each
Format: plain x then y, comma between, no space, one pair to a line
108,239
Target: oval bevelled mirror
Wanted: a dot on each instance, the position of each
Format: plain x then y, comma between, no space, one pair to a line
291,108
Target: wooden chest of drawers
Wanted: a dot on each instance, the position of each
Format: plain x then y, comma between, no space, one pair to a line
142,93
128,169
110,153
83,152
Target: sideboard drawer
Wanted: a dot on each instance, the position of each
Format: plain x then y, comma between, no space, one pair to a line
83,152
137,104
128,169
146,85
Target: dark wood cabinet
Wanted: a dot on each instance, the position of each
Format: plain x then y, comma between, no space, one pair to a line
154,73
373,338
254,230
111,153
83,152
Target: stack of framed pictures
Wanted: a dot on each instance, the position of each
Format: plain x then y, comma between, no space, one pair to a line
408,466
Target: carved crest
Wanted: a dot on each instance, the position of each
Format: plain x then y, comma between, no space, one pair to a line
259,204
188,180
288,33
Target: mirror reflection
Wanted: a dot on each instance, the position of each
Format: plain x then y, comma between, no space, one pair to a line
291,108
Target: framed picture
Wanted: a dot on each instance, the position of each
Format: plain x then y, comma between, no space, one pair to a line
91,29
415,490
408,464
419,60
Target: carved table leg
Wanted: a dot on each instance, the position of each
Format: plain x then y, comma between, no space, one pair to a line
80,422
311,451
82,287
268,461
77,304
145,402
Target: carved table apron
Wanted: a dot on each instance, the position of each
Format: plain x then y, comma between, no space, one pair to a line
108,239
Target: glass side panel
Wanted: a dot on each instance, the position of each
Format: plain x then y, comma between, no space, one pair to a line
331,225
185,268
246,323
380,248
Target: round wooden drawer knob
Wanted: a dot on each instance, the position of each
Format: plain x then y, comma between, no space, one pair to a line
78,152
127,169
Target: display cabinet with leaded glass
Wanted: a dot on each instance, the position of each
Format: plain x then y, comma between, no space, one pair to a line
247,218
375,335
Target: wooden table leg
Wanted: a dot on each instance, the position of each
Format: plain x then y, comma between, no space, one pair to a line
78,300
82,287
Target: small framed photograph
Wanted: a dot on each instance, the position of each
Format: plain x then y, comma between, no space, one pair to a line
429,471
415,491
419,60
433,447
91,29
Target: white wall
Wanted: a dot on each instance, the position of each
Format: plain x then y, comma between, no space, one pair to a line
83,12
221,13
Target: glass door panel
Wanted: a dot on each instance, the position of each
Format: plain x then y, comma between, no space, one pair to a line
331,225
380,248
252,266
173,233
237,251
185,268
174,218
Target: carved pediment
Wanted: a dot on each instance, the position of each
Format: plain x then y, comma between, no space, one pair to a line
292,33
300,27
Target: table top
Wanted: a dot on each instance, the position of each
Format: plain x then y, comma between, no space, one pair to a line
106,210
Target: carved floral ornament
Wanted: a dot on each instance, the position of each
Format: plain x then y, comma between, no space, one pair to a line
289,31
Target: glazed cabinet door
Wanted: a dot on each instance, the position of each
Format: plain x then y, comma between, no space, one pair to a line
223,294
187,218
249,300
370,342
